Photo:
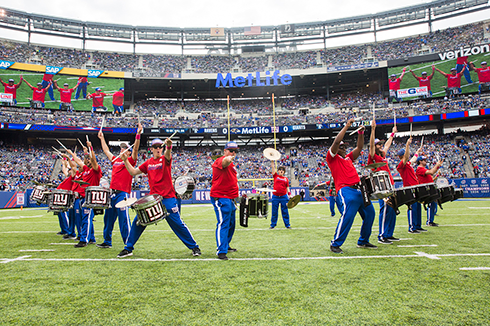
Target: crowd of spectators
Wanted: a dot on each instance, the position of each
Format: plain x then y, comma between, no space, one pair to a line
153,65
245,113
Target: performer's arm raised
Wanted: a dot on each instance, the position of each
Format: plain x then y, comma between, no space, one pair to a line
93,159
137,142
131,169
340,136
105,148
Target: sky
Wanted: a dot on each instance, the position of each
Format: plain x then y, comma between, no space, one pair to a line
218,13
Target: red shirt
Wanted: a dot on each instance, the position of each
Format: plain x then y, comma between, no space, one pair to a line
408,174
67,184
379,159
91,176
461,60
82,79
159,173
48,77
121,179
483,74
97,99
343,171
394,84
454,81
118,98
76,187
11,89
65,95
38,94
423,178
225,182
281,185
424,81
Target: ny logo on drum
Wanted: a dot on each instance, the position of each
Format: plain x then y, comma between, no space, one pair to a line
38,194
60,199
155,212
99,197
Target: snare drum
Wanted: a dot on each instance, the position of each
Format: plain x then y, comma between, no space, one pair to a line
380,184
150,210
61,200
405,196
427,193
40,195
458,193
256,205
97,197
184,186
447,194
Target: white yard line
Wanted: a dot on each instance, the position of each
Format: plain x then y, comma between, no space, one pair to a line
417,255
64,243
29,250
413,246
475,268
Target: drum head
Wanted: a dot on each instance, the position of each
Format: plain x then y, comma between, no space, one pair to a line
180,185
148,199
104,183
442,182
272,154
126,202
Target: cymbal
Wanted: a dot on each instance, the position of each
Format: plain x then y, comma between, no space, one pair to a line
294,201
272,154
126,202
80,182
375,165
265,189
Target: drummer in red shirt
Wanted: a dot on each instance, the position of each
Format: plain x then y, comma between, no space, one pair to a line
280,196
91,176
394,85
425,176
407,173
11,87
387,215
121,182
159,171
65,95
425,80
118,101
453,81
66,184
224,190
38,93
483,75
98,100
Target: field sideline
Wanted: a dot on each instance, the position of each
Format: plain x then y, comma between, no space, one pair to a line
277,277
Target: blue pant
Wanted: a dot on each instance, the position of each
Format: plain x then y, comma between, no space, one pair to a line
81,87
352,203
415,217
87,224
283,201
334,200
64,222
225,210
387,220
75,216
71,222
50,89
118,108
431,212
113,213
466,72
174,221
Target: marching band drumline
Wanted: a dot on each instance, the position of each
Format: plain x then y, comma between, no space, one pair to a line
95,193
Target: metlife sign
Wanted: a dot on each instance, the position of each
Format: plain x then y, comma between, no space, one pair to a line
251,80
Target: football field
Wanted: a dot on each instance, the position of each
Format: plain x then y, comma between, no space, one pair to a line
277,277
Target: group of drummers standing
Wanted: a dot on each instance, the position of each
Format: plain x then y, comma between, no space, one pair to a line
351,194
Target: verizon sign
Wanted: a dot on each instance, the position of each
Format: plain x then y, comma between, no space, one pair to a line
465,52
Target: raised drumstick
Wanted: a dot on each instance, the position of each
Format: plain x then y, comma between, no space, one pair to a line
127,149
66,149
353,132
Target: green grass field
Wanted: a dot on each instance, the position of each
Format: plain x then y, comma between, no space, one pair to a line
438,82
24,92
277,277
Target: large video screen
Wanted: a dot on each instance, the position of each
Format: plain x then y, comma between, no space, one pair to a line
24,93
439,82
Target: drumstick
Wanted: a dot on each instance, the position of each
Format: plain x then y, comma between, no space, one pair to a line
172,135
127,149
374,113
353,132
139,117
422,142
66,149
102,124
410,130
81,143
394,115
89,149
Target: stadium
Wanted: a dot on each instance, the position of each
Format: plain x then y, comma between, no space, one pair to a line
246,90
